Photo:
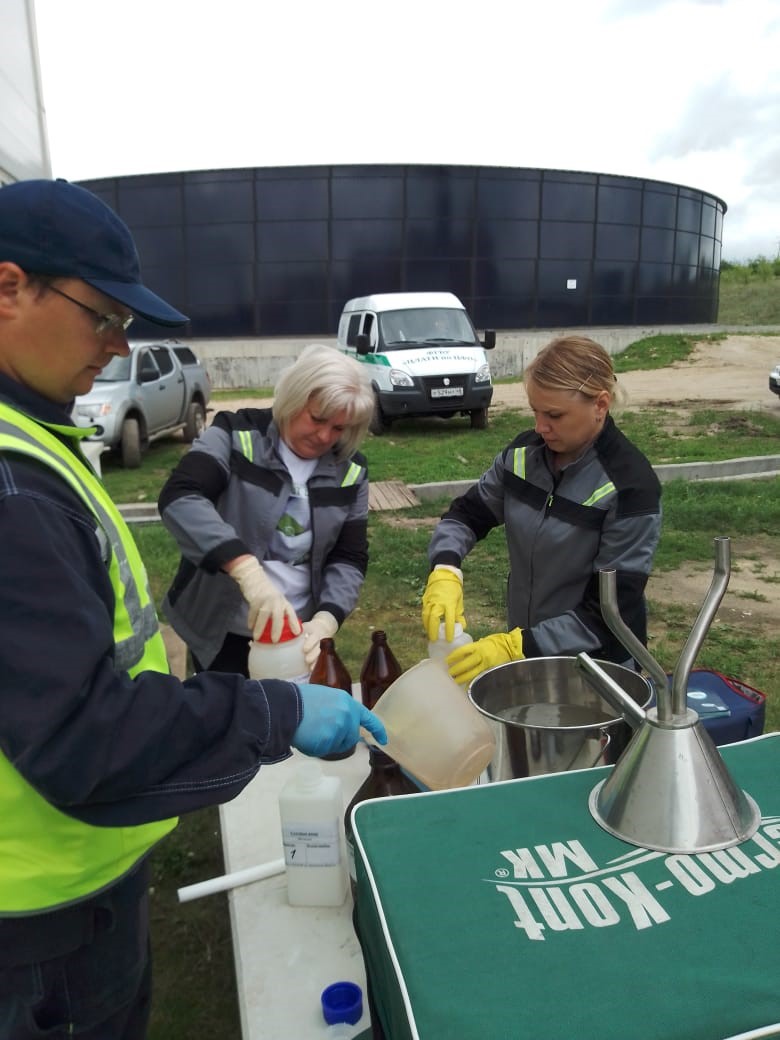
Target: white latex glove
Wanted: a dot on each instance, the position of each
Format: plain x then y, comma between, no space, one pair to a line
322,626
264,599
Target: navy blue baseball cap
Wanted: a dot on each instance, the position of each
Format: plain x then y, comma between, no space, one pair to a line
57,228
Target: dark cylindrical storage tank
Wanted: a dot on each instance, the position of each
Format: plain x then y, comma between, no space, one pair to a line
276,251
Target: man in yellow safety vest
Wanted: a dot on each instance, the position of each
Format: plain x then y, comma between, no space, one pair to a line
100,747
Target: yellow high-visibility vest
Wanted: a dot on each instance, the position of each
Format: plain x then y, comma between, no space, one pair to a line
49,859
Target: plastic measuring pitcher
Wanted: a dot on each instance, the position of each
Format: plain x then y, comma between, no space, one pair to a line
433,729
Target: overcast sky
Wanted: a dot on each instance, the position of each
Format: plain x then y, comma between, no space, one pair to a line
687,92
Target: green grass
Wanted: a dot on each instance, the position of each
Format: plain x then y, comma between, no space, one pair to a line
694,514
240,393
428,450
750,293
144,484
160,555
707,435
757,304
659,351
421,451
194,982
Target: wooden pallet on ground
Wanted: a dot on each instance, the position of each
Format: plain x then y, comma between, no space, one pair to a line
390,494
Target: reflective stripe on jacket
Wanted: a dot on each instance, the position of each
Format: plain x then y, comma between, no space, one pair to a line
47,858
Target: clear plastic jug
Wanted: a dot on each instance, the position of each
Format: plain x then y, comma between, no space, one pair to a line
440,648
433,729
282,660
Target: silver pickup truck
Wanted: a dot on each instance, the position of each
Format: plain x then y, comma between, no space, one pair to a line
158,389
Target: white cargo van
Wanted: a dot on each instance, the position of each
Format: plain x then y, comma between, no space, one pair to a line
425,356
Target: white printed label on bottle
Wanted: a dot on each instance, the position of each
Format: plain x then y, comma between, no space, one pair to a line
311,844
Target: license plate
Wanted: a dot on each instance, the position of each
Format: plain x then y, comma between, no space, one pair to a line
447,391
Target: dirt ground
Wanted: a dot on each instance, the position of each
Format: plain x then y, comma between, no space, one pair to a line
732,373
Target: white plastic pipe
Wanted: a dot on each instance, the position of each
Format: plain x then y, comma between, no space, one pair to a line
228,881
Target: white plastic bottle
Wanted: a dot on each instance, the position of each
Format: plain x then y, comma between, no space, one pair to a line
438,650
310,807
282,660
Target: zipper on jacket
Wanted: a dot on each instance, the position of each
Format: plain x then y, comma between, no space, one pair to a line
551,496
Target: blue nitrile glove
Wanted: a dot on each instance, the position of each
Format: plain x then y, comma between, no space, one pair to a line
332,720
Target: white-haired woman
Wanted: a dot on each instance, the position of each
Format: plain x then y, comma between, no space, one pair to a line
270,509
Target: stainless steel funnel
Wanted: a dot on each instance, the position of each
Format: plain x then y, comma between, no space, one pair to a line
670,790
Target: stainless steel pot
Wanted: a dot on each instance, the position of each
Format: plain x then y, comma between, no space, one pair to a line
547,718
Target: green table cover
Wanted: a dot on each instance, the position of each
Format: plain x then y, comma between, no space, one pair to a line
505,911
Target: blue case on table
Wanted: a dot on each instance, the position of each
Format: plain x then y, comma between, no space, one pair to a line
729,710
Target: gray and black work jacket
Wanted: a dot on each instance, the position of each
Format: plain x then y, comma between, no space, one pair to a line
601,512
225,498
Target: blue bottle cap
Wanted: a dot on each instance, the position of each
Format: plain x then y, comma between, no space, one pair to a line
342,1002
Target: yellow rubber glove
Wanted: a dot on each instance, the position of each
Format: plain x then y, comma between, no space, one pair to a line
469,661
443,601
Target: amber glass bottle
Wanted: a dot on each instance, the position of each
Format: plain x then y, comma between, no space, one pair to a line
379,670
386,778
330,670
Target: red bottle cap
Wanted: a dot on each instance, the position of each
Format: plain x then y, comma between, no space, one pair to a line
285,637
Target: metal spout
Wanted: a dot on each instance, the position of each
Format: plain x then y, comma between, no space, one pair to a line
670,789
712,600
611,691
634,645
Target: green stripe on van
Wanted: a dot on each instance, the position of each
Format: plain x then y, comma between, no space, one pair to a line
374,359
